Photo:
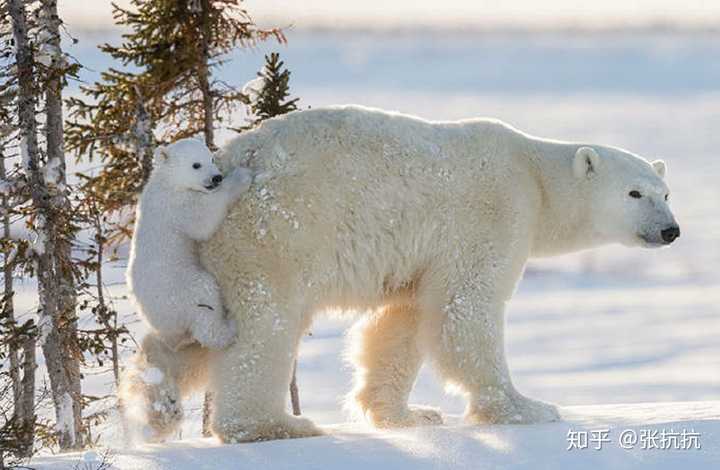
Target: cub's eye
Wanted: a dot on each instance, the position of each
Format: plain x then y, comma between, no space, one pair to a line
667,196
197,166
635,194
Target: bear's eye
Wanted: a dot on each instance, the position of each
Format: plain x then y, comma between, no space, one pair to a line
635,194
667,196
197,166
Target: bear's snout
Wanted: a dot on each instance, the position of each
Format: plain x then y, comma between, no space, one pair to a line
670,234
214,182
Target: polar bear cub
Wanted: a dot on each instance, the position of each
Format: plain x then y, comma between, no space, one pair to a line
184,201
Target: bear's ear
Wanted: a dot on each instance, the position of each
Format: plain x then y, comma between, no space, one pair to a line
660,168
585,162
161,155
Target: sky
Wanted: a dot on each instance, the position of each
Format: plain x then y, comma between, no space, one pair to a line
96,14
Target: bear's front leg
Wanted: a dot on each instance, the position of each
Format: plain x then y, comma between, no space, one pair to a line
251,378
470,353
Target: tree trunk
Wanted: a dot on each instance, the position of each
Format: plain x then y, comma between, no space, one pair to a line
206,411
111,325
56,290
26,412
294,393
143,137
14,347
28,141
60,348
204,77
209,132
8,306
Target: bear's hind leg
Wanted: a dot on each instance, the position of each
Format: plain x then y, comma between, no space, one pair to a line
250,380
386,359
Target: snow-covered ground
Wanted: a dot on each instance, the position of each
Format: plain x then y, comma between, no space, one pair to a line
604,327
657,436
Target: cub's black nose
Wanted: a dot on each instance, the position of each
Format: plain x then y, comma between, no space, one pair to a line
217,179
670,234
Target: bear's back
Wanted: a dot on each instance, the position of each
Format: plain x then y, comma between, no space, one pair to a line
290,144
345,180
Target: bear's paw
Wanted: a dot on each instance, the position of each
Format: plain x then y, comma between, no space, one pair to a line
409,417
511,408
288,427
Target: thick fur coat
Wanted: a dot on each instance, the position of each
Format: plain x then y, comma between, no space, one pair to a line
183,202
424,226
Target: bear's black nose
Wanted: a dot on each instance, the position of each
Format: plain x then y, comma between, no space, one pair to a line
217,179
670,234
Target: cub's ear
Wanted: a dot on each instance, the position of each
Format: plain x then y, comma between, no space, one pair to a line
660,168
585,162
161,155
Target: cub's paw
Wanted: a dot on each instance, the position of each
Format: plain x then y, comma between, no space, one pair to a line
240,179
215,332
151,404
287,427
164,418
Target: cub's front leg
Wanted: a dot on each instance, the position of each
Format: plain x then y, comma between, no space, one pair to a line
236,184
211,209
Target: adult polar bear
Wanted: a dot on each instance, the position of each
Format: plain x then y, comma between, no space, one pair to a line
426,226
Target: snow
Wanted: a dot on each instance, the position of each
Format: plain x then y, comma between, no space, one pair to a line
91,460
6,187
47,52
19,230
45,326
38,244
65,419
252,90
459,446
152,376
24,153
635,330
142,127
52,171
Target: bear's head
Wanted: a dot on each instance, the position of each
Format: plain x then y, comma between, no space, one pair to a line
629,197
187,165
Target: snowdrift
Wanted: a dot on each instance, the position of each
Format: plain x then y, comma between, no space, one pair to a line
653,435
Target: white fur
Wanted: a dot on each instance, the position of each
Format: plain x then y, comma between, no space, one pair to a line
179,207
427,226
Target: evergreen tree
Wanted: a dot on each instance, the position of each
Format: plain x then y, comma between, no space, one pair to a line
17,340
172,48
40,70
16,429
60,347
268,95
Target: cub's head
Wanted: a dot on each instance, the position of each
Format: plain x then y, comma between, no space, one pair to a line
187,165
629,197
